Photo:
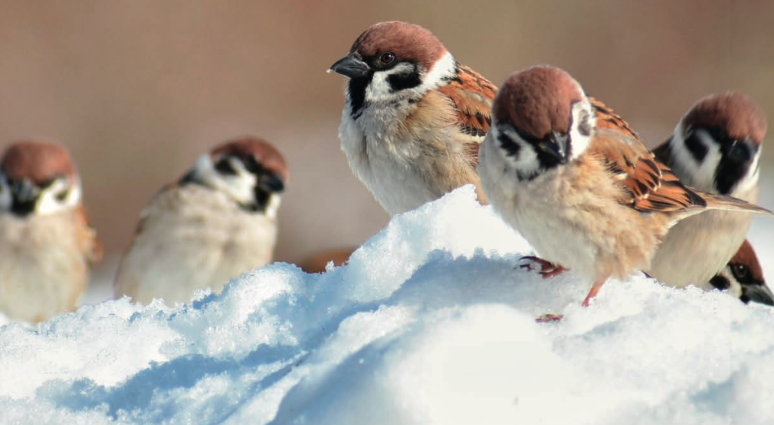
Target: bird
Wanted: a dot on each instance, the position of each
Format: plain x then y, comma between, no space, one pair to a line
715,147
216,222
577,182
414,117
47,245
743,278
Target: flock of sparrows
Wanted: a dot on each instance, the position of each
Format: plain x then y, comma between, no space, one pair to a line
559,166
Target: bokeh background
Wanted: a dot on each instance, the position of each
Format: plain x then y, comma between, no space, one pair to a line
137,89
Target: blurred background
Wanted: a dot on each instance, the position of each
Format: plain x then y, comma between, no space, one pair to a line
137,89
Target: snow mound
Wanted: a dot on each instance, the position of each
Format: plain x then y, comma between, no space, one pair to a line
432,322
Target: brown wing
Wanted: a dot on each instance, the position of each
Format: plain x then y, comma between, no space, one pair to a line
649,184
91,247
472,96
607,119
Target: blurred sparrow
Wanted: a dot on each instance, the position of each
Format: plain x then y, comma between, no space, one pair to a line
216,222
414,117
576,181
46,244
743,278
715,148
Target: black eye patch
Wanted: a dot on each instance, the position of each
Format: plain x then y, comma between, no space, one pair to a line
510,146
695,146
62,195
224,167
403,81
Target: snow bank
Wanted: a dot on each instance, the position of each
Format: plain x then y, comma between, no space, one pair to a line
432,322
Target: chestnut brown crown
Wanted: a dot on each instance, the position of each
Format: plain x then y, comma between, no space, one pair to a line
36,160
733,113
746,257
250,148
408,42
538,101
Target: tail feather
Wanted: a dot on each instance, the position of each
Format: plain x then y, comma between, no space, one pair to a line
722,202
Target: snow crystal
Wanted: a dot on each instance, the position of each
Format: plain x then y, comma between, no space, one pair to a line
431,322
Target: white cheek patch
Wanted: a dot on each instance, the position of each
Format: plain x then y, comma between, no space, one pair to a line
750,180
49,201
5,194
272,207
582,116
379,89
525,162
238,187
700,175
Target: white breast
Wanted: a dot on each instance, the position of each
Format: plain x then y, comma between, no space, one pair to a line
42,268
193,238
391,168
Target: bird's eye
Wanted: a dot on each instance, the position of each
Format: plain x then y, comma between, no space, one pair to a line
741,272
61,196
224,167
386,59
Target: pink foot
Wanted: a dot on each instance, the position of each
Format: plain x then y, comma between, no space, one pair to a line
592,293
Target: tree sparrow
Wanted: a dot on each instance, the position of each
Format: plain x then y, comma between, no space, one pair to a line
414,117
47,246
715,148
216,222
576,181
743,278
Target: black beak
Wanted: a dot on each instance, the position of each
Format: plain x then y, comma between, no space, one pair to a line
25,195
758,294
555,145
271,183
350,67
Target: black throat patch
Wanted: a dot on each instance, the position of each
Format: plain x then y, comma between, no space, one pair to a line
357,93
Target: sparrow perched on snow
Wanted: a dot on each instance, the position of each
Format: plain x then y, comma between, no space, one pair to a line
573,178
715,148
47,246
414,117
218,221
743,278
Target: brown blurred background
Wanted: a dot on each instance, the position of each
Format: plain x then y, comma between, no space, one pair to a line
137,89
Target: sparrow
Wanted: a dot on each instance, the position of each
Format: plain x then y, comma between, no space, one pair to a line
576,181
47,246
217,221
318,262
715,147
414,117
743,278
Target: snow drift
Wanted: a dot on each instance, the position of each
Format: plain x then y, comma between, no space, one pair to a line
432,322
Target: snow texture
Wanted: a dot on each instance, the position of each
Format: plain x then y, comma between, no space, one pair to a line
432,322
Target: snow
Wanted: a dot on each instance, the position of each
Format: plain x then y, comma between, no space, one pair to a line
432,322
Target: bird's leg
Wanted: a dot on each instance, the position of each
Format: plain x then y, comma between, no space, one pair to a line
547,268
593,292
